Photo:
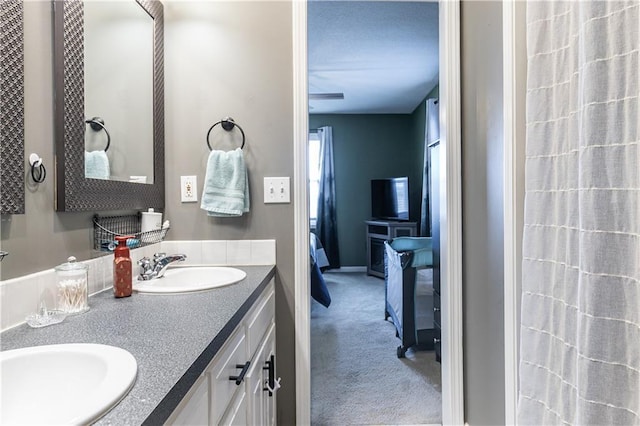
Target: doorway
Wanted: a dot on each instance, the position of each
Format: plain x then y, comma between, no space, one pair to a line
452,379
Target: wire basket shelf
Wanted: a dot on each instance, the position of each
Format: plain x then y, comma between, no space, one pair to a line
107,228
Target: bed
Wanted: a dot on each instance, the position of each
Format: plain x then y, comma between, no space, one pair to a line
319,290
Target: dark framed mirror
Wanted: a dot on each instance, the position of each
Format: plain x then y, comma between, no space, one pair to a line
12,167
74,191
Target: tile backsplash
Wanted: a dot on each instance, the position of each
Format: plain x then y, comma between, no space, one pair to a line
21,296
220,252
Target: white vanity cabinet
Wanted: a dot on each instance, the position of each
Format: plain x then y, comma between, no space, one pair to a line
261,401
248,354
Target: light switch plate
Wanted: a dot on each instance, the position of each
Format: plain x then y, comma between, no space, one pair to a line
276,190
189,189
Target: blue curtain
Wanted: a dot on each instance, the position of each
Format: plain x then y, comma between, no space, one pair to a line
326,225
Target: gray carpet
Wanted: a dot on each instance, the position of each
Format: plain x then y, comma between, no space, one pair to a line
356,377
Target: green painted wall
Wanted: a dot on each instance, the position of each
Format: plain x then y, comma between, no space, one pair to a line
365,147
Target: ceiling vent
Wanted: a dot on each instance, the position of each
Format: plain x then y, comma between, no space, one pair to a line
325,96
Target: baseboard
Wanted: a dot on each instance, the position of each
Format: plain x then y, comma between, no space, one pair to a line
348,269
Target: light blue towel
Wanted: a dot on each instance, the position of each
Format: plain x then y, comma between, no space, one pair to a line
226,187
96,165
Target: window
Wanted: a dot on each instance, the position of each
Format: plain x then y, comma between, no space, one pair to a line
314,176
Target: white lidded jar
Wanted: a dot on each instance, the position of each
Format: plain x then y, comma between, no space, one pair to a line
73,286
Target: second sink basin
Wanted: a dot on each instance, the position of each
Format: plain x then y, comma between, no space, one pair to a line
189,279
63,384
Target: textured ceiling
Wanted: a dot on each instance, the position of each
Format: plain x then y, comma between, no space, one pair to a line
383,55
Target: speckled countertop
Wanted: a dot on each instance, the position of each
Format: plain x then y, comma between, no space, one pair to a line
172,337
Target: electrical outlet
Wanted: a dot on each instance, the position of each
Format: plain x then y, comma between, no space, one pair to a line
189,189
276,190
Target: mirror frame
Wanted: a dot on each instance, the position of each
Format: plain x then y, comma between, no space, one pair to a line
74,192
12,169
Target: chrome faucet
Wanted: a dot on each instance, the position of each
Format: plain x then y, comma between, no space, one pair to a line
156,267
3,254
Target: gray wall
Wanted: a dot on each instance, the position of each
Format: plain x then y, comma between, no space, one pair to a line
234,59
368,146
41,238
482,148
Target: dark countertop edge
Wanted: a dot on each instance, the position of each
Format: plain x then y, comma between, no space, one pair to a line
172,399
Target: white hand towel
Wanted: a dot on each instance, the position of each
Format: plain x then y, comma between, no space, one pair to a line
96,165
226,186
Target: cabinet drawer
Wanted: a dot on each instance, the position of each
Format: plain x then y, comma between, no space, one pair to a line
378,229
223,389
260,320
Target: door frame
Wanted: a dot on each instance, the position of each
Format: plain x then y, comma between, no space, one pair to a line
450,213
514,101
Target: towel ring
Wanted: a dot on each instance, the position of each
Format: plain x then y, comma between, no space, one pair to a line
227,124
97,124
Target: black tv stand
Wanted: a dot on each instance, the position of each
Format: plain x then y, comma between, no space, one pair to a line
379,231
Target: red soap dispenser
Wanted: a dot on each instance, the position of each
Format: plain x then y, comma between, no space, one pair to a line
122,268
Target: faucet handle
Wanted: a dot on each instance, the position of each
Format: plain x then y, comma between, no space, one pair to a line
145,265
145,261
157,256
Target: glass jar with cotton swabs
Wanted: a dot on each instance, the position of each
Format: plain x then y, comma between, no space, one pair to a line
72,286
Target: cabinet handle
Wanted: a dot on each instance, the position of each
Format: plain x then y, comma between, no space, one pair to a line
436,340
240,377
436,309
271,366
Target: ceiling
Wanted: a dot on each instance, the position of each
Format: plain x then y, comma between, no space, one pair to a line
383,55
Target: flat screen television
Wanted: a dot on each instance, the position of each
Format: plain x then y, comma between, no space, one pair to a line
390,198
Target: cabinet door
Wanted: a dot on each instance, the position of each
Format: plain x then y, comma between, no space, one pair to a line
237,413
259,402
255,404
195,411
270,400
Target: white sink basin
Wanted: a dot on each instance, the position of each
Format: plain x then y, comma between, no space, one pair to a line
190,279
63,384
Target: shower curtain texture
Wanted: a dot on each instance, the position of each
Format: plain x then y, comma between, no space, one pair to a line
580,328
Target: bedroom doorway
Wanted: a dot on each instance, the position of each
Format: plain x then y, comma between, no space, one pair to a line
348,329
452,377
